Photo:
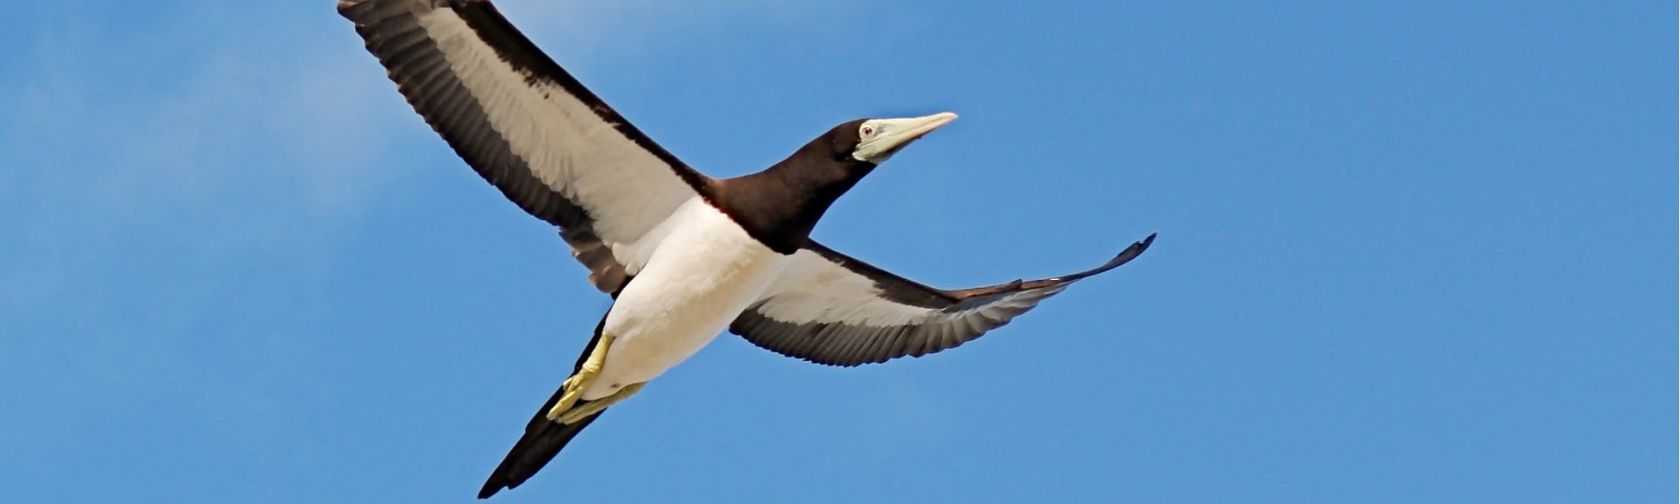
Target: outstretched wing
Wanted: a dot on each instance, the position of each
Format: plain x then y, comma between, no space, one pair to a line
529,128
829,308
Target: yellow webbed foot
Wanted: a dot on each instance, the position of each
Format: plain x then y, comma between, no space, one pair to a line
578,382
596,406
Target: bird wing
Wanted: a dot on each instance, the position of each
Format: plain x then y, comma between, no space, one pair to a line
529,128
829,308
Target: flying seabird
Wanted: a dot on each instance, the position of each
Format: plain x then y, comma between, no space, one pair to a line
683,255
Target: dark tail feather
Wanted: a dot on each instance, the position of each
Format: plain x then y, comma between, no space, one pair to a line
542,441
543,438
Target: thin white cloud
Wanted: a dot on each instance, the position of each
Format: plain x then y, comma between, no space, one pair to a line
230,131
192,132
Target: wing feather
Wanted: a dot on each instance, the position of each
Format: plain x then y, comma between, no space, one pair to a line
829,308
529,128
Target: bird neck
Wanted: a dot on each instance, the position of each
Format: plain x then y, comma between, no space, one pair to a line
780,205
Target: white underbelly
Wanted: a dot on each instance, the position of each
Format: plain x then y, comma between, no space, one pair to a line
704,273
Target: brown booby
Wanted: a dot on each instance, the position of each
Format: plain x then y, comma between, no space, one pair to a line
683,255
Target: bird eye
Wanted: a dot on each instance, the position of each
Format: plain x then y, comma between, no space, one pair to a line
867,130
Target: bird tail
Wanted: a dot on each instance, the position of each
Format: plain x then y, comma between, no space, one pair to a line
543,438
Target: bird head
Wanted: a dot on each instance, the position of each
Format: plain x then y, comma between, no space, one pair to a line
874,140
789,197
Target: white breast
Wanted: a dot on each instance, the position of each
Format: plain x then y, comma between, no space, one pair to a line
701,276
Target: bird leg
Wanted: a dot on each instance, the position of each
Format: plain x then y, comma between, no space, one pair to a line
574,386
596,406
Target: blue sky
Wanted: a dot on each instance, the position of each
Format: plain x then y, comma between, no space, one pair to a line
1409,252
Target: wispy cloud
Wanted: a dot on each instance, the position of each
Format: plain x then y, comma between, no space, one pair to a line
193,131
228,132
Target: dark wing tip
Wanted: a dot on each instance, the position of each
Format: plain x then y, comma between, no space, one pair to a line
490,488
1136,249
353,9
1125,256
